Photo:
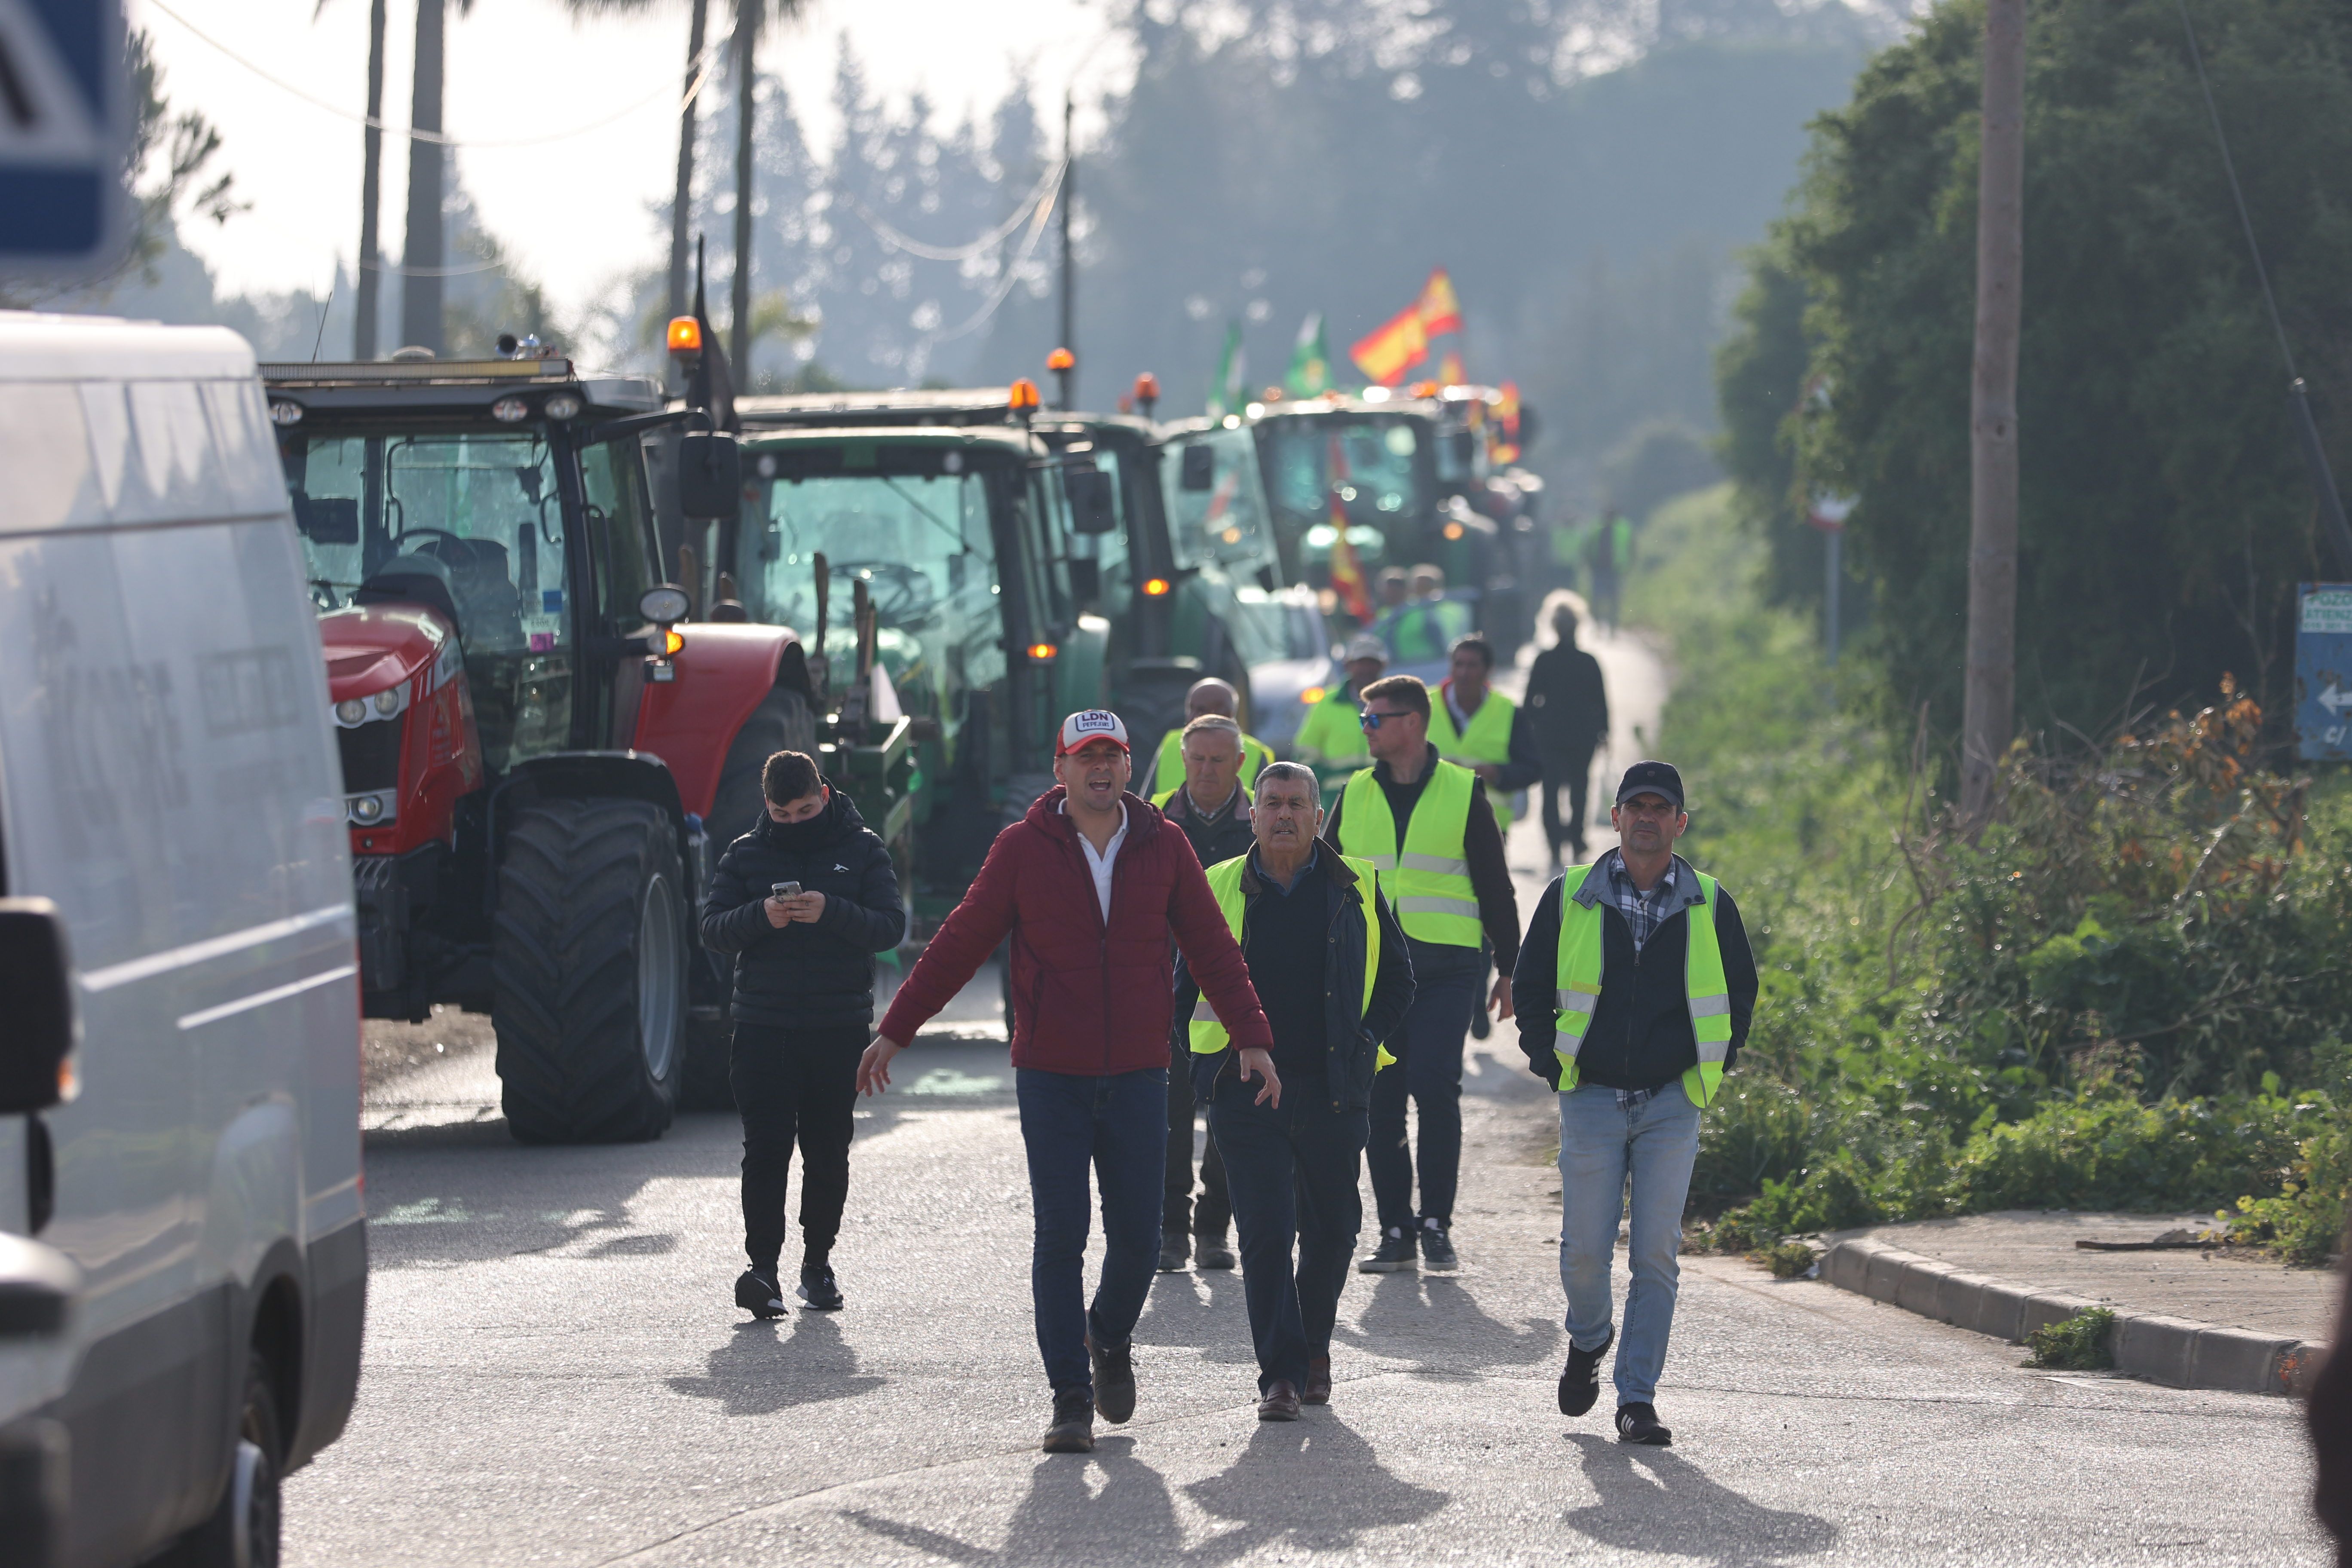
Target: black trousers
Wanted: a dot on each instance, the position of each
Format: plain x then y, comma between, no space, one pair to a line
1574,770
794,1085
1179,1214
1428,1050
1294,1171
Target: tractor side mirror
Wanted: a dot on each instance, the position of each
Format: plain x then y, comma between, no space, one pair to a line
36,1050
1461,450
1197,469
1092,509
710,475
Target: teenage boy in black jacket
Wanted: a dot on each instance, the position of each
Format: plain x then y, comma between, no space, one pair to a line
803,1010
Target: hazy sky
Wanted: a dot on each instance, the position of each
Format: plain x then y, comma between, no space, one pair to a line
573,210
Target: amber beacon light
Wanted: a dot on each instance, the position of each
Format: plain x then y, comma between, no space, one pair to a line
685,336
1023,399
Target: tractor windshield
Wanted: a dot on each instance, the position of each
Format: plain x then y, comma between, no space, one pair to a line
921,543
468,524
1376,463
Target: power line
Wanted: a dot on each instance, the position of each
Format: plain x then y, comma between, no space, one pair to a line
968,251
709,62
1012,276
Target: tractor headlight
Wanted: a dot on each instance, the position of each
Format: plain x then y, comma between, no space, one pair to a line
350,712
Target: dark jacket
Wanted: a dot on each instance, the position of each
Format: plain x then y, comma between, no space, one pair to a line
1640,1036
1221,840
1490,874
1567,705
819,975
1352,1031
1090,998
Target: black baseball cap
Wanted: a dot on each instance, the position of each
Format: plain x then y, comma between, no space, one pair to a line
1652,778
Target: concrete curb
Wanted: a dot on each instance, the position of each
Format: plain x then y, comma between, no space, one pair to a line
2171,1350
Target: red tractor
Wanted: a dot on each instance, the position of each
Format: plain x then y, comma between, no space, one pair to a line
540,763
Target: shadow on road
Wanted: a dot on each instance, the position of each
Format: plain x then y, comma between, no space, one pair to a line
1653,1499
763,1368
1110,1506
1432,1316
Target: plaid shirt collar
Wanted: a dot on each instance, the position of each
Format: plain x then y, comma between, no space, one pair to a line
1644,911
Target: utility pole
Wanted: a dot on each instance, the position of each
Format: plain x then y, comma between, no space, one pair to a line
1989,716
681,210
1070,277
747,16
422,262
371,279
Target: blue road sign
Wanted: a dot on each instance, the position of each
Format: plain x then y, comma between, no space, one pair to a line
63,122
2322,671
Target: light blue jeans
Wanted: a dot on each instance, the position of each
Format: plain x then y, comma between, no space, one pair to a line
1601,1143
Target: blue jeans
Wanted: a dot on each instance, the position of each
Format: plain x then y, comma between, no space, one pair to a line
1119,1124
1428,1050
1292,1174
1602,1143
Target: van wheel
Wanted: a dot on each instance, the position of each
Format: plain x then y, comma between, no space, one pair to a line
243,1530
781,722
589,959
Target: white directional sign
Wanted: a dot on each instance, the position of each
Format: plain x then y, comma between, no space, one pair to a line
62,131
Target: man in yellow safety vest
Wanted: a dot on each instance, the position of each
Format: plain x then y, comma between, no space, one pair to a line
1424,824
1476,725
1329,739
1203,698
1634,989
1334,972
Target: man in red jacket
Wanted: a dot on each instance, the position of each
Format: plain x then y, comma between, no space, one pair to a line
1089,886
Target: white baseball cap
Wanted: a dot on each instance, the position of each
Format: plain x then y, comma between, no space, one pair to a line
1091,724
1364,645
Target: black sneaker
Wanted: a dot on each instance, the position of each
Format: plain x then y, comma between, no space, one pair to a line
1073,1431
1211,1252
819,1288
1638,1423
1437,1248
1396,1253
1175,1251
758,1294
1580,1381
1114,1379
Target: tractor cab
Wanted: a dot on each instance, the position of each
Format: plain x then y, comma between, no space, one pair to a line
540,764
932,559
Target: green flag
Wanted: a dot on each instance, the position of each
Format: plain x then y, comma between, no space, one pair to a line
1310,360
1231,389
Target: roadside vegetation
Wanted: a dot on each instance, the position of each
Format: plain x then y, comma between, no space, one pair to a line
2130,994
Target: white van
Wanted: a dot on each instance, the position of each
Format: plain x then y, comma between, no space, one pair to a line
173,856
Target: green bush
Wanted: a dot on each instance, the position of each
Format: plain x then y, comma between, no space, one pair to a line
2099,1005
2084,1342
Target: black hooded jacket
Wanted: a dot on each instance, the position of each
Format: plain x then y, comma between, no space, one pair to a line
802,975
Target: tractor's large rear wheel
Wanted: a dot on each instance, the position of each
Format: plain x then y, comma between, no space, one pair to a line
589,956
781,722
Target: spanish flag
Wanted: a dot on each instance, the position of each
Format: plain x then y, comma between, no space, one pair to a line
1439,310
1393,348
1449,372
1347,571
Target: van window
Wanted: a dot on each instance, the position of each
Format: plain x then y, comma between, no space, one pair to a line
472,518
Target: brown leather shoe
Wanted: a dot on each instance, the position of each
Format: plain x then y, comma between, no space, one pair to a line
1319,1382
1280,1403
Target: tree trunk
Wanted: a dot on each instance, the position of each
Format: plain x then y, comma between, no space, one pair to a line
1988,719
738,329
420,286
370,268
682,212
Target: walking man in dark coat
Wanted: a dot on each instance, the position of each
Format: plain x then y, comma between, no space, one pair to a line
1568,704
803,1005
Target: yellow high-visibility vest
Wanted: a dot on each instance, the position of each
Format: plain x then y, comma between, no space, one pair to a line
1578,971
1487,740
1333,730
1256,755
1427,879
1209,1036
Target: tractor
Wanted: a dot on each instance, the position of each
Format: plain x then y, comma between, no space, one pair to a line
541,756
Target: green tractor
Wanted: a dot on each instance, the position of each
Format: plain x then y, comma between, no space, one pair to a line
932,558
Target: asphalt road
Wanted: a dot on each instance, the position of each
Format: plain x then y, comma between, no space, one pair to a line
556,1373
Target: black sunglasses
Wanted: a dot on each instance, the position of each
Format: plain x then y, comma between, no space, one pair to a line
1372,720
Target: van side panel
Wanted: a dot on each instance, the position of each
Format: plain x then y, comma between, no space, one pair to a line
168,776
331,1380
